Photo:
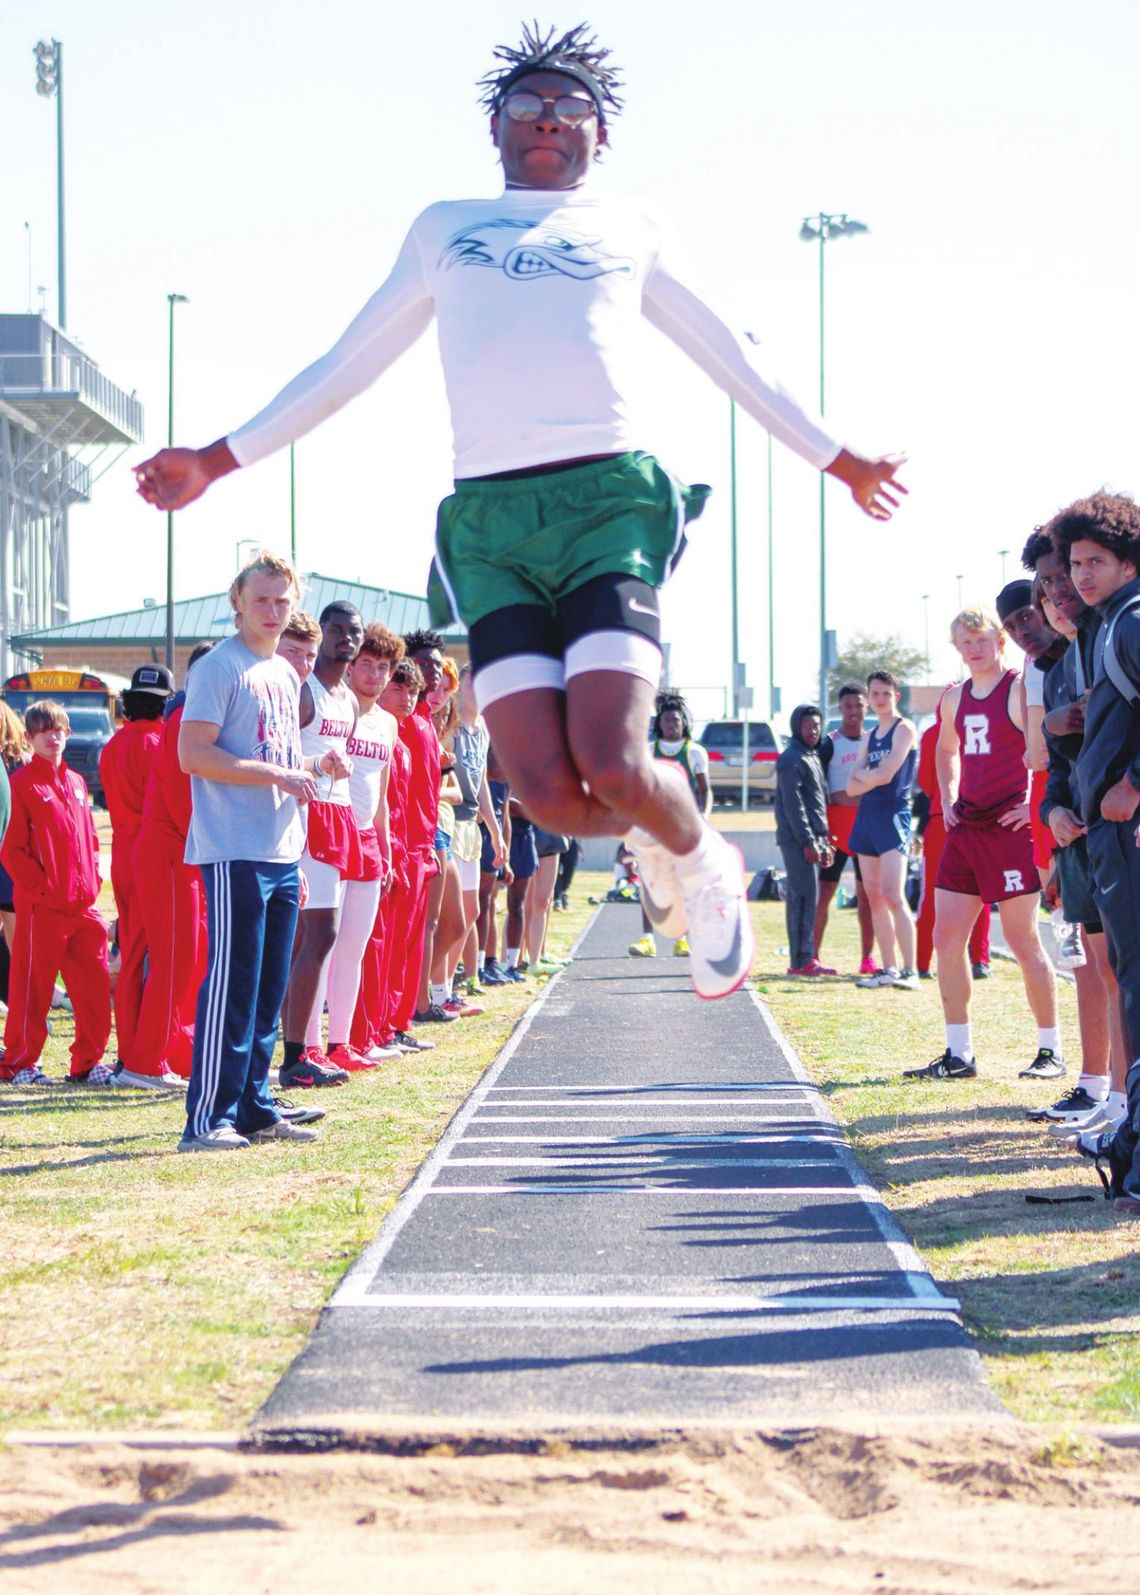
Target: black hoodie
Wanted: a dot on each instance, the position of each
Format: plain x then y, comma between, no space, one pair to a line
1111,746
801,792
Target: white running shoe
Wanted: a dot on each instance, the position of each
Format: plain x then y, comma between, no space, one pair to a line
1097,1118
377,1052
714,906
660,889
884,977
224,1138
148,1082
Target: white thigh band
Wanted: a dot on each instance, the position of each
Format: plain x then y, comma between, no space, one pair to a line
628,652
517,673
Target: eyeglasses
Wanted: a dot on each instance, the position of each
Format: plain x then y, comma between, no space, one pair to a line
569,109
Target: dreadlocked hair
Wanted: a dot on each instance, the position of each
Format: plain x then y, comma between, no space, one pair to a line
540,51
672,700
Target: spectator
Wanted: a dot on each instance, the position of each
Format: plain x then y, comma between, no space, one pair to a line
124,766
327,712
802,835
882,779
1026,626
14,752
672,739
474,816
838,752
444,906
988,857
173,912
931,830
52,854
300,643
240,742
491,876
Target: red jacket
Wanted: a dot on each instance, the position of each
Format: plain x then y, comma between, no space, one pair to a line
124,766
50,848
927,770
167,804
421,806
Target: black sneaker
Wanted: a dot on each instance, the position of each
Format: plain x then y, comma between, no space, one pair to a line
925,974
947,1067
410,1043
1045,1066
980,971
492,975
434,1015
1119,1151
1073,1105
297,1115
305,1074
514,977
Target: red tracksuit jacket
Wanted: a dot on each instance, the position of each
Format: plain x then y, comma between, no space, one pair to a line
50,849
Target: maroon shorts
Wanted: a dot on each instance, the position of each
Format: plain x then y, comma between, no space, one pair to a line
371,865
992,862
334,839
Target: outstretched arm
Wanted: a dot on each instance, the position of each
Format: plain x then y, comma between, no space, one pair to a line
390,322
684,317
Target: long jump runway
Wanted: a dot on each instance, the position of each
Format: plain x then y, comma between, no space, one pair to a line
643,1214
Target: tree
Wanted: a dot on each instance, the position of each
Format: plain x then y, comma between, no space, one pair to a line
862,653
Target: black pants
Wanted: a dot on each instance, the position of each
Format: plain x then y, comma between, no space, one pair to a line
801,888
567,864
1115,862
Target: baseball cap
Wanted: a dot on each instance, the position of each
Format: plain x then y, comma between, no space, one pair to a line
153,678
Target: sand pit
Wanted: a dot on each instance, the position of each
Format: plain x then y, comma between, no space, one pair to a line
960,1510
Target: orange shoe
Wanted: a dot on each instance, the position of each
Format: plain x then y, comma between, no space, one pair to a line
344,1056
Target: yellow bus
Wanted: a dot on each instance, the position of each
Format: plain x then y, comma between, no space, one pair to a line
92,704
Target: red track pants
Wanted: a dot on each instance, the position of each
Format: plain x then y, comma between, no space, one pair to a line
933,841
409,926
132,947
172,909
49,942
370,1026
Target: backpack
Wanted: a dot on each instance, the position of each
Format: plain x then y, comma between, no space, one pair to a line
1113,669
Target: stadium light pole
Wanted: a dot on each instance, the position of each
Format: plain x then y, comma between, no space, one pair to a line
732,556
820,229
293,505
49,82
1002,552
926,632
171,300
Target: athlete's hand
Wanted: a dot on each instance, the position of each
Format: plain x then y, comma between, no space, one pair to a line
1119,802
1017,819
173,478
299,784
498,848
1068,720
1065,826
302,890
1052,892
339,766
874,483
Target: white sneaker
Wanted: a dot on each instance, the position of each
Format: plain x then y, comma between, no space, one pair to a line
374,1054
1070,952
905,980
660,890
885,977
283,1130
148,1082
1097,1118
223,1139
100,1074
714,906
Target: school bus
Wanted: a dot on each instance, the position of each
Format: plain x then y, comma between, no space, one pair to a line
92,704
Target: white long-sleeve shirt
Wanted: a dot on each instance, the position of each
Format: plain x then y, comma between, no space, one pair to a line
535,295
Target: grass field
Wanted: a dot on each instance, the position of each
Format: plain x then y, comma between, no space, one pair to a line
1051,1294
140,1288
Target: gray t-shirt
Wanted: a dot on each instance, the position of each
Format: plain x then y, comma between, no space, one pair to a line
255,702
471,744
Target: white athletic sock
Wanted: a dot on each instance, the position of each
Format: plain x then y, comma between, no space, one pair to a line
1095,1084
439,993
1117,1105
959,1041
702,855
512,957
1050,1039
481,961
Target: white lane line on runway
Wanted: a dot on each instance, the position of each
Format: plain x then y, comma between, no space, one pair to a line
659,1090
660,1162
727,1138
917,1274
675,1192
719,1304
649,1118
372,1256
696,1102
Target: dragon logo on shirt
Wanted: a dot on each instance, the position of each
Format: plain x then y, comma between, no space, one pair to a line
525,250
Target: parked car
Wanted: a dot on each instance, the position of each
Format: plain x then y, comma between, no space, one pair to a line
723,741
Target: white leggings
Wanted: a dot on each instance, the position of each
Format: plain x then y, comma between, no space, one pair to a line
340,977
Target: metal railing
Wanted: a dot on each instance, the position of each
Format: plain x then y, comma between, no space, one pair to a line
65,369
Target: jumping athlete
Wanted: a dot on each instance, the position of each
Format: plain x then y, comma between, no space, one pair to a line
988,857
561,529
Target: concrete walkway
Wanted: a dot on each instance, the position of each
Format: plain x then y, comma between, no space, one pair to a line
643,1214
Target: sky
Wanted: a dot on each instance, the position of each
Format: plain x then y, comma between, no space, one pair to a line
266,160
